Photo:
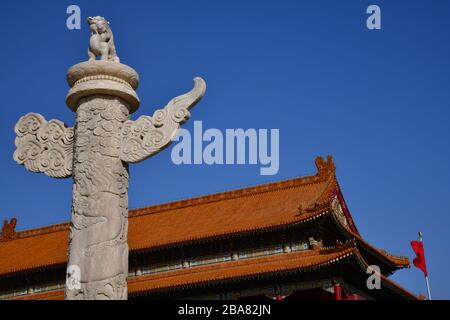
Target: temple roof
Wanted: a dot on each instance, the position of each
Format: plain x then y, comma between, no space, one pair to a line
255,209
295,262
226,272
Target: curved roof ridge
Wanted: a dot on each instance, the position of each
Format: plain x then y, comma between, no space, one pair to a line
398,261
325,170
384,278
37,231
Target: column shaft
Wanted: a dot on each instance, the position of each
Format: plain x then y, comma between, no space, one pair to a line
98,250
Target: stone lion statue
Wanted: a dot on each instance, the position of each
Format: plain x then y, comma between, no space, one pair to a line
101,42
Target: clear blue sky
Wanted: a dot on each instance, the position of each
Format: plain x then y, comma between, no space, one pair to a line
378,101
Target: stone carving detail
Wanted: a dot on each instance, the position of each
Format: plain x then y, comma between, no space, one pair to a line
96,153
44,146
99,226
92,70
339,212
148,135
101,42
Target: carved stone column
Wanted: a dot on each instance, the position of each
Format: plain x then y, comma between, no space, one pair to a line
96,152
102,95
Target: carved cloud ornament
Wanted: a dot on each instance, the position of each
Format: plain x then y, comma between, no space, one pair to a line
148,135
44,146
96,152
47,146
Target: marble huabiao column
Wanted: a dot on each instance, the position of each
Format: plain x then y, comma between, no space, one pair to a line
96,153
102,95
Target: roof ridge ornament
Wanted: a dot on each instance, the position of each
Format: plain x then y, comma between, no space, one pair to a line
8,229
325,167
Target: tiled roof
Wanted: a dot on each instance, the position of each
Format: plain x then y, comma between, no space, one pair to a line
40,250
234,212
304,261
249,268
49,295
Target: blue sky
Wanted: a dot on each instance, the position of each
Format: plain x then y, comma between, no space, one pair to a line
378,101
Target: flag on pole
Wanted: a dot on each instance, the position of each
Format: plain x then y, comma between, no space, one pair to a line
419,260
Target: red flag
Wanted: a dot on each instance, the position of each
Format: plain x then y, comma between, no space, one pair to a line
419,261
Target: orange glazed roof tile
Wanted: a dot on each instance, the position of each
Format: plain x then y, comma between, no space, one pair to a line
44,249
235,270
236,211
298,261
50,295
257,267
233,212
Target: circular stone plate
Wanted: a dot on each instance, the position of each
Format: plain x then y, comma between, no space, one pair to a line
105,68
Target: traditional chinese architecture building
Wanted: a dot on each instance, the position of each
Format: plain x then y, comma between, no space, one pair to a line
292,239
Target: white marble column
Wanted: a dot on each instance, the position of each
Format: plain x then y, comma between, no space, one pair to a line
102,95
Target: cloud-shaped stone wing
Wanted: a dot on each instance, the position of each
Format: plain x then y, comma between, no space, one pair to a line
44,146
148,135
